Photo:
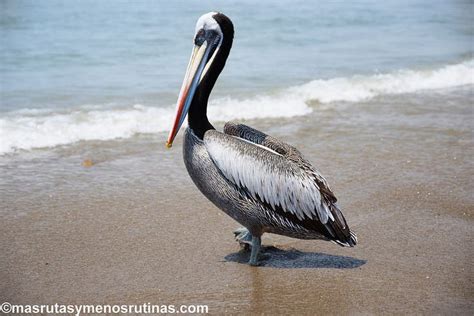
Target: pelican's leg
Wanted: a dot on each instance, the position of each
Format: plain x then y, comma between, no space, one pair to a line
244,237
256,243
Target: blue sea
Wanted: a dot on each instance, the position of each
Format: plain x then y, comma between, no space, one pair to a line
74,71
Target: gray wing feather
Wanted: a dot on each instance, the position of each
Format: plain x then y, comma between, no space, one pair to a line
290,152
276,175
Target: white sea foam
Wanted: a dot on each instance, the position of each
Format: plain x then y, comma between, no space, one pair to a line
28,129
359,88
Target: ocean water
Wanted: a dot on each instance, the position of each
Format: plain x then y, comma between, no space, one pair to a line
108,70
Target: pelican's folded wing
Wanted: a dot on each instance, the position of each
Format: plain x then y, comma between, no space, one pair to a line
284,149
270,177
266,173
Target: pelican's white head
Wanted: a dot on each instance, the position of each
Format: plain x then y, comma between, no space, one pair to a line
207,23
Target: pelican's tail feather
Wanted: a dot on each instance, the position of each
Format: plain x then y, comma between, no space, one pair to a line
350,242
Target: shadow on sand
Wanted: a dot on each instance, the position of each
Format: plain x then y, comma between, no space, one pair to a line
294,259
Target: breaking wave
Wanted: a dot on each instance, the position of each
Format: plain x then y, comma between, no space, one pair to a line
28,129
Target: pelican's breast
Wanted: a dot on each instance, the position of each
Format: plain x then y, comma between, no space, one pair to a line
212,184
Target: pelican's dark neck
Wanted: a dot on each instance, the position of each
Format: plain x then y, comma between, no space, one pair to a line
197,115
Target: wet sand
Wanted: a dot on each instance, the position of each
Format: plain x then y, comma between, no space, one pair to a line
132,228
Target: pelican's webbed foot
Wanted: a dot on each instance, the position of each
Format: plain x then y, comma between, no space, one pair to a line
247,241
244,237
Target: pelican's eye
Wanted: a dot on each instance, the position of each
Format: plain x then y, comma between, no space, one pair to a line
200,37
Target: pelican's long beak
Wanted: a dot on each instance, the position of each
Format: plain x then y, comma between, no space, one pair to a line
197,68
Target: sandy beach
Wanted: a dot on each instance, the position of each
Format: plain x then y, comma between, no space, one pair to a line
132,228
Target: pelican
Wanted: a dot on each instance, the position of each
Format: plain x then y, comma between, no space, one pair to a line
261,182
